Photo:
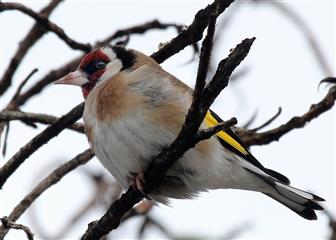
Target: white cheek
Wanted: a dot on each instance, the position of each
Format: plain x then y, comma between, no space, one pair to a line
109,52
112,69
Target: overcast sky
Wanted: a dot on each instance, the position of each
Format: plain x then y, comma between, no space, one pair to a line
281,70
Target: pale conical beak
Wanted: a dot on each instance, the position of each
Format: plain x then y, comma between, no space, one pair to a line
77,78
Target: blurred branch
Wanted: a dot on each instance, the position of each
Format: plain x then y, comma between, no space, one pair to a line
8,115
332,224
307,32
141,209
12,106
46,183
149,221
101,187
7,224
44,21
35,33
52,131
185,139
248,123
252,138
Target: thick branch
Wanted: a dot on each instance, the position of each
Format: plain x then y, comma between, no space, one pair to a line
46,183
194,32
36,118
52,131
43,21
33,35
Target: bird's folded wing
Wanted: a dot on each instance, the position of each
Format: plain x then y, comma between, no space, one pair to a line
231,141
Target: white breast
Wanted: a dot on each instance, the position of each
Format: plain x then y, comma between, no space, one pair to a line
127,144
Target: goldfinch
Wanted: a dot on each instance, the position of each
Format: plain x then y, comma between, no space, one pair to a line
134,108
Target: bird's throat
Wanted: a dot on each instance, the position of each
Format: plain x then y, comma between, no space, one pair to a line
86,89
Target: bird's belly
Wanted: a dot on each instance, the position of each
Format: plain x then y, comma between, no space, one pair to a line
126,145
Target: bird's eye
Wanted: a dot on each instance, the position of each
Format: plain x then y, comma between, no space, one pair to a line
100,64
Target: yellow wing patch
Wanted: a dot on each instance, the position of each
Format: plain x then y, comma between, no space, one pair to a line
210,121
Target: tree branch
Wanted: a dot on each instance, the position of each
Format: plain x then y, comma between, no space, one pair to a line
194,32
268,122
22,84
43,21
11,225
9,115
36,32
208,133
251,138
53,178
306,31
52,131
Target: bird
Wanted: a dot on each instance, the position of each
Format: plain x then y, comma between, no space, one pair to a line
134,109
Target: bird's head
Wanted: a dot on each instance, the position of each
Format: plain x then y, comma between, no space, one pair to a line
99,65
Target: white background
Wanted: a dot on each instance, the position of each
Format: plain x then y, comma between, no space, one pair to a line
282,71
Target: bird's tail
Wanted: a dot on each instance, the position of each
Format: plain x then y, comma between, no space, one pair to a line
301,202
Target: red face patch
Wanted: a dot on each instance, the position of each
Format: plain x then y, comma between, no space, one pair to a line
90,65
93,56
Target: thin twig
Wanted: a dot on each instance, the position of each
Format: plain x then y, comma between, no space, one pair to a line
250,120
8,115
268,122
35,33
11,105
22,84
96,199
54,177
138,29
4,148
296,122
208,133
52,131
47,24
